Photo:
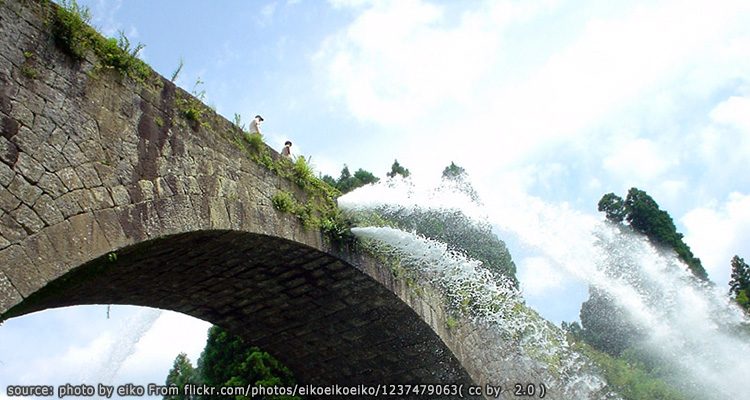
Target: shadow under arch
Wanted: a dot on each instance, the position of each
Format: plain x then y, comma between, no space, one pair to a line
327,320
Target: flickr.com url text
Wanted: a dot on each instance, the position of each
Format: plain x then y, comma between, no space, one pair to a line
390,390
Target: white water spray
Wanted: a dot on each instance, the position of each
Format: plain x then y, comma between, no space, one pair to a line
132,331
691,326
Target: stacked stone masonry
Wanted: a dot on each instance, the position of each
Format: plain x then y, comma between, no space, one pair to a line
109,196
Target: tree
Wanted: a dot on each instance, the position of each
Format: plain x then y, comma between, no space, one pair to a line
604,324
643,215
453,171
739,284
348,182
457,178
181,374
228,361
613,207
397,169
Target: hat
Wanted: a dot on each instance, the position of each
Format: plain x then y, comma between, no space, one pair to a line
287,143
259,117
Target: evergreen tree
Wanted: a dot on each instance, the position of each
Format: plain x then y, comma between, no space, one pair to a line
739,284
603,322
457,177
643,215
613,207
348,182
228,361
181,374
453,171
397,169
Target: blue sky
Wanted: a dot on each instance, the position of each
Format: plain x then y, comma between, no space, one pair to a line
547,104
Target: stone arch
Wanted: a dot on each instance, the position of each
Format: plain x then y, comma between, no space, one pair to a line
327,320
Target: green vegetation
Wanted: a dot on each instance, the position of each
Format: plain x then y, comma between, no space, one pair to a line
348,182
643,215
27,69
176,72
190,108
739,285
228,361
72,34
397,169
631,379
605,333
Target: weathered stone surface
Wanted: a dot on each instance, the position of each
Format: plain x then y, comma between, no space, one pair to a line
88,175
46,208
73,154
28,219
29,168
6,174
52,185
25,191
8,294
191,222
8,151
8,202
68,204
70,178
11,230
120,195
21,272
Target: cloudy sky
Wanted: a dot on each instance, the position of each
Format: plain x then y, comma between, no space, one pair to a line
547,104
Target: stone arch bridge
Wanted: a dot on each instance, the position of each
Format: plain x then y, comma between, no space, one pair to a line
110,195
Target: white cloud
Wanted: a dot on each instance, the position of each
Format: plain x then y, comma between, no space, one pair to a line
641,159
537,276
734,111
716,232
441,75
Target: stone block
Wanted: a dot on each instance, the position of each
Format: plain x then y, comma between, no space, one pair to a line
29,168
8,149
145,190
102,198
11,230
109,221
9,295
70,178
19,270
50,157
106,173
8,202
88,175
6,174
52,185
68,205
58,138
28,219
44,256
73,154
27,140
78,239
120,195
46,208
25,191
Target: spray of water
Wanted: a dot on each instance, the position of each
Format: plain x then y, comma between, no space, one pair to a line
133,329
469,288
693,327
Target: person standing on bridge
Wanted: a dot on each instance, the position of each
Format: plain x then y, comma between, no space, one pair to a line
286,152
255,125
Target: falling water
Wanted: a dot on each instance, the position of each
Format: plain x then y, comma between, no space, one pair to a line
690,325
133,329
